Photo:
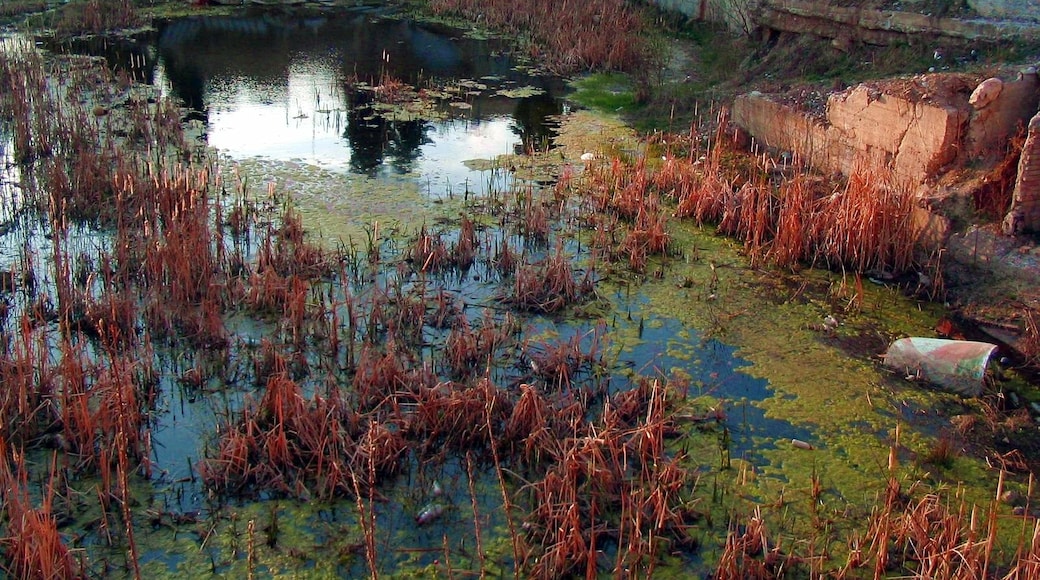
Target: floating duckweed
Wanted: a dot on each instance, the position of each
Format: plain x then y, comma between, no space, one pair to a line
520,92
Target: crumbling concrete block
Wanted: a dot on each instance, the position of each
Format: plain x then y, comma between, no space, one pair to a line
998,115
1025,203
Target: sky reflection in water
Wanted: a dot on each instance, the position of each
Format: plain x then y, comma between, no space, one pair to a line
282,88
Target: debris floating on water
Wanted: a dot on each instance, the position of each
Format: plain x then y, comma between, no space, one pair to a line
429,513
802,444
956,365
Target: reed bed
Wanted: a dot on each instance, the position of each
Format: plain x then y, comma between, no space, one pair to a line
471,350
609,485
96,16
547,285
561,365
32,544
566,36
370,364
865,223
929,536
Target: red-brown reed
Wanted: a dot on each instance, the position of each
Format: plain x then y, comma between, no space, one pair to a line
406,311
535,219
558,364
569,35
469,350
446,310
381,374
476,514
24,101
505,259
612,481
32,544
29,381
96,16
465,247
429,253
287,444
547,285
747,553
796,212
123,471
866,223
529,433
457,417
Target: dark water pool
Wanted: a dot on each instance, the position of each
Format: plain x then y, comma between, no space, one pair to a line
288,88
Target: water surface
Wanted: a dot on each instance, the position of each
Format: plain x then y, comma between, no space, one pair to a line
294,89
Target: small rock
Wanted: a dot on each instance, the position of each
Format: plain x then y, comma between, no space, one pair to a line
987,91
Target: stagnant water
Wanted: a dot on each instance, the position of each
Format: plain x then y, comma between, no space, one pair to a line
278,95
289,101
285,89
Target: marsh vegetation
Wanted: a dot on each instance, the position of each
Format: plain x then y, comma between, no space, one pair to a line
612,361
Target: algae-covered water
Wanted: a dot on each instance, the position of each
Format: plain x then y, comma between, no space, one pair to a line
373,127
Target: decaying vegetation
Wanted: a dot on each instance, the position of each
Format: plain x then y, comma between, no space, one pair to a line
565,36
153,251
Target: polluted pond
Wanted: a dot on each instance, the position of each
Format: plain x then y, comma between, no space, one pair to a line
354,295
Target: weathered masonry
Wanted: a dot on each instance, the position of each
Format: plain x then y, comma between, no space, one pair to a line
915,126
823,18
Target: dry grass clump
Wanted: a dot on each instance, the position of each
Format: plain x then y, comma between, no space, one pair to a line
931,536
561,365
612,483
625,193
429,253
95,16
31,543
470,349
288,444
567,35
749,553
864,223
548,285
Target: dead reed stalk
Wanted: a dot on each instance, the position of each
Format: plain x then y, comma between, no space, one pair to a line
569,36
32,543
548,285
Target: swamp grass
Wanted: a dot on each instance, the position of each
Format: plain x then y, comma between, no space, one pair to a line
373,366
566,36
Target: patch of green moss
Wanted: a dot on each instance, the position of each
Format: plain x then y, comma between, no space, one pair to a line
607,92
